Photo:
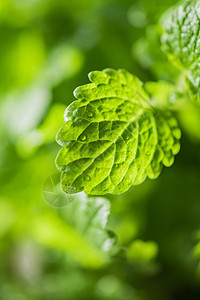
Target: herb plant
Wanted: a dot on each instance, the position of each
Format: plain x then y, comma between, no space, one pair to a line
124,126
113,137
116,134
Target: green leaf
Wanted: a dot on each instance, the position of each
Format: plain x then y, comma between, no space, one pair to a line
81,232
89,216
113,138
181,40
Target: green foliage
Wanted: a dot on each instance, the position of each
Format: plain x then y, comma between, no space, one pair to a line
113,138
44,134
181,40
49,252
162,93
82,232
142,252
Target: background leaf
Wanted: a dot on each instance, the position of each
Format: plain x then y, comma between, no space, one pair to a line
181,40
81,232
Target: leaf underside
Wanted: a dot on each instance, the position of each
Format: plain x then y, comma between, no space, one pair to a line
113,138
181,40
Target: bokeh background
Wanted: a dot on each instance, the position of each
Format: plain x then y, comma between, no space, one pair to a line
47,49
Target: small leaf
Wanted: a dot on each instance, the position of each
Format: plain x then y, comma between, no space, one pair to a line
181,40
113,137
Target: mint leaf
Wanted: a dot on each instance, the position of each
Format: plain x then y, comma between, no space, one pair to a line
89,216
81,231
181,40
113,138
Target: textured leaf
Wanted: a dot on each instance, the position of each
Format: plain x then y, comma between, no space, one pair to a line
113,138
181,40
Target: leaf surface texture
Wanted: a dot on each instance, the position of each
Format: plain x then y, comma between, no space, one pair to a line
113,137
181,40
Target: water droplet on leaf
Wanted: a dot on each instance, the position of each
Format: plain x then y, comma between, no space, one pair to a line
87,177
90,114
127,137
83,137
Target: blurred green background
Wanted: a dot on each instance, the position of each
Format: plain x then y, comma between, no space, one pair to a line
46,50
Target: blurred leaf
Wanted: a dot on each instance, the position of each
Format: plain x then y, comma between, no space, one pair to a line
163,93
23,109
181,40
64,61
44,134
147,52
8,211
137,16
22,57
82,235
90,217
142,252
110,287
